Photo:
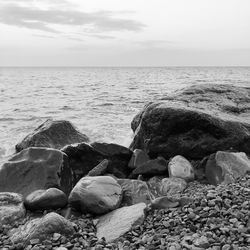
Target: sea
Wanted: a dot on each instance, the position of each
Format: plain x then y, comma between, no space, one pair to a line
100,101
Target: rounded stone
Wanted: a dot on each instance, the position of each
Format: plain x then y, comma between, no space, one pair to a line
51,198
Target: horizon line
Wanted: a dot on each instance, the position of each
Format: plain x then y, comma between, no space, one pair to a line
122,66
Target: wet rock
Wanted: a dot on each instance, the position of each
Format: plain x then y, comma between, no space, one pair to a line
51,198
118,222
42,228
138,158
11,208
226,167
97,195
180,167
52,134
36,168
195,122
84,157
134,191
154,167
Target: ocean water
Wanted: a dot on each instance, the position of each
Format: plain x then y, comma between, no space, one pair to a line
100,102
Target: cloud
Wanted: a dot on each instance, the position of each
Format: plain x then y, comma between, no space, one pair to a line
155,43
40,19
103,36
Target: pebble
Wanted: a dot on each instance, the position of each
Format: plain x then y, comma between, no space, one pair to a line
218,218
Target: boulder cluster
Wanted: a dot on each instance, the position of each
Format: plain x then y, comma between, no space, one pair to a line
184,182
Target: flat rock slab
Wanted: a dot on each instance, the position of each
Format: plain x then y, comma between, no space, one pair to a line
36,168
11,208
42,228
52,134
118,222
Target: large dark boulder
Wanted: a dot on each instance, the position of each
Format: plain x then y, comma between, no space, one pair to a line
36,168
52,134
84,157
195,122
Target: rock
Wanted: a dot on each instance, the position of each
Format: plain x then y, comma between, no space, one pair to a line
97,195
100,169
134,191
84,157
154,185
159,186
163,202
42,228
157,166
138,158
118,156
195,122
225,167
172,186
36,168
52,134
113,225
51,198
11,208
180,167
202,242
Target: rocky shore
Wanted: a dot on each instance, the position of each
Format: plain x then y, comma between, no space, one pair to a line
184,182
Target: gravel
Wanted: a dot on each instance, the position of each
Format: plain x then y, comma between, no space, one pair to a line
217,219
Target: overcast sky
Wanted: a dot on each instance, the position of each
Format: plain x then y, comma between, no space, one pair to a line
124,32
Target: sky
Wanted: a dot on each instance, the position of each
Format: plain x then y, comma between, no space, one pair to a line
124,32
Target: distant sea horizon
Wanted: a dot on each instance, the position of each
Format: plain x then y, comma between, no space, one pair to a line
100,101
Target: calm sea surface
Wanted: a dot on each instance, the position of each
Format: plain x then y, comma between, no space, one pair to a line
100,102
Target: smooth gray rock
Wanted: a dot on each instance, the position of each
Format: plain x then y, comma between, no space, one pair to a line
96,195
11,208
226,167
180,167
36,168
51,198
